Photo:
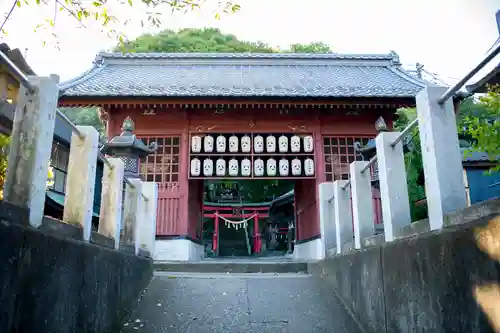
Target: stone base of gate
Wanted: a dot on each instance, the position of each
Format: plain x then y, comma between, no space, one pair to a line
309,249
179,249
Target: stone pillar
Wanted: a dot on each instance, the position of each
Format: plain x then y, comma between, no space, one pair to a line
441,155
132,212
111,200
362,202
80,182
30,147
343,216
147,225
393,187
326,216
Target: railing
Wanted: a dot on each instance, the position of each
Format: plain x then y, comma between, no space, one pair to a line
28,167
443,171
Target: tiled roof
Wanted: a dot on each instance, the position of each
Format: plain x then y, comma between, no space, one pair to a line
244,75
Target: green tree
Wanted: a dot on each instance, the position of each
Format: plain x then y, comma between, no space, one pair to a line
85,117
413,162
209,40
314,47
483,125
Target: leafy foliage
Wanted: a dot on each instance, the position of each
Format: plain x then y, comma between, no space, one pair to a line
413,162
208,40
85,117
484,128
102,12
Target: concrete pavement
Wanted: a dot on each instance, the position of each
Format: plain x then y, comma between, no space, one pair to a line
238,303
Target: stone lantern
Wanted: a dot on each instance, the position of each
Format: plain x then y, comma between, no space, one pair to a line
129,149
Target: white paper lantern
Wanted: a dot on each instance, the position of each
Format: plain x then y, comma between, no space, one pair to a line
208,167
309,167
233,144
245,144
220,167
196,144
233,167
270,143
258,144
308,144
208,144
221,144
258,167
296,167
284,167
283,144
295,144
246,168
271,167
195,167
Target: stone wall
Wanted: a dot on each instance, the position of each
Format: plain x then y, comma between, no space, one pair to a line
419,284
51,282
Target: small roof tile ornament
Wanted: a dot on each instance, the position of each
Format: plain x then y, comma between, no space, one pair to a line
128,143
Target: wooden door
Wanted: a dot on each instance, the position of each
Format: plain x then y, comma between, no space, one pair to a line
163,168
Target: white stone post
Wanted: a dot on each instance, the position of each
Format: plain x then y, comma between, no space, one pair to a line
362,202
343,216
80,182
30,147
326,217
147,225
393,187
110,216
132,212
441,155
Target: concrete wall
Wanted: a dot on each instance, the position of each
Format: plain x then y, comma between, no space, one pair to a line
51,282
419,284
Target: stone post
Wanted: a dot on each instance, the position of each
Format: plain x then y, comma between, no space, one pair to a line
147,225
132,212
343,216
362,202
441,155
30,147
111,200
393,187
80,182
326,216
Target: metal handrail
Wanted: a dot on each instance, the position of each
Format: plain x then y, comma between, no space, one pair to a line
19,75
404,132
453,89
372,161
22,78
346,185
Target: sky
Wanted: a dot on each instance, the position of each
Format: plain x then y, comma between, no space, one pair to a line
448,36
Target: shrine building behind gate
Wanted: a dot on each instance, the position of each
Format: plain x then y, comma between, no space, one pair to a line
333,98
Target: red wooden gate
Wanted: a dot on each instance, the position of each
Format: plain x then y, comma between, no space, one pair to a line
163,168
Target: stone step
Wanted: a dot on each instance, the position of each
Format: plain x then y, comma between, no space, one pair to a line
222,266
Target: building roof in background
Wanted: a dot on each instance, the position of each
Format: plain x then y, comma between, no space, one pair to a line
474,156
244,75
491,78
17,58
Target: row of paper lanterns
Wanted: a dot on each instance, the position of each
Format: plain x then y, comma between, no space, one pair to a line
271,167
270,145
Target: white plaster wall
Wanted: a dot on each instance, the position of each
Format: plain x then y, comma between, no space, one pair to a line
178,250
313,250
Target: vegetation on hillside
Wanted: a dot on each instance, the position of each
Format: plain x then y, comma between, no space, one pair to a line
209,40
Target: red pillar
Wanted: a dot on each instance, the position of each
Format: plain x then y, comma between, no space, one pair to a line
215,237
256,233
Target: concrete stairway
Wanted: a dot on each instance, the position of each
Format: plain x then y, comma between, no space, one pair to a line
235,265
